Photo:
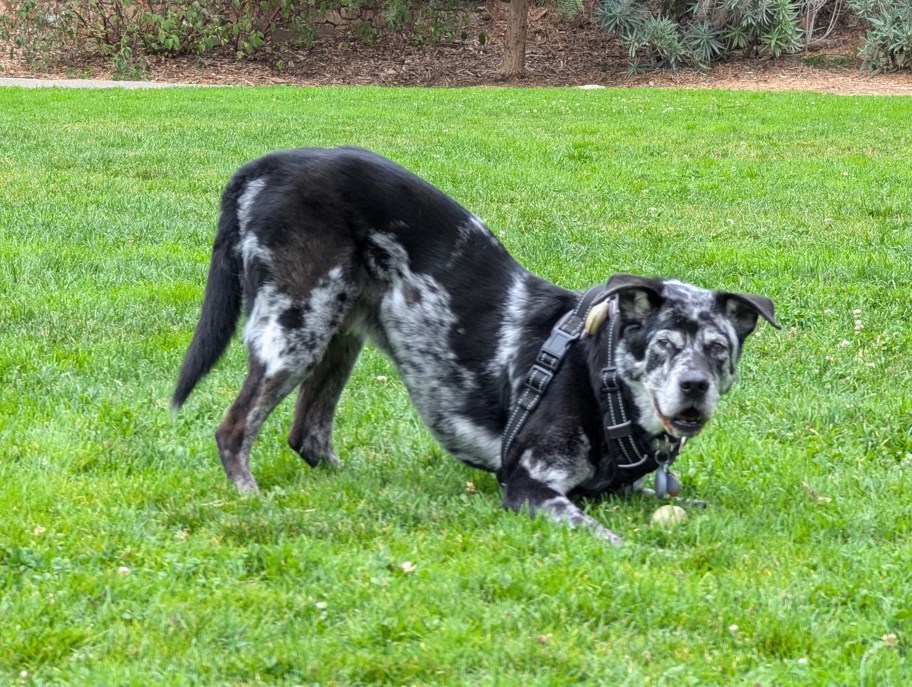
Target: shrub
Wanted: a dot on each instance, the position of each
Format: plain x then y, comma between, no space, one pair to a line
888,43
569,9
33,28
674,33
126,31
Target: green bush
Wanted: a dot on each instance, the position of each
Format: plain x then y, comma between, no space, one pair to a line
34,29
569,9
127,31
675,33
888,43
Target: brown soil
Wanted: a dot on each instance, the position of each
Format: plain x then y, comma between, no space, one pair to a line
559,53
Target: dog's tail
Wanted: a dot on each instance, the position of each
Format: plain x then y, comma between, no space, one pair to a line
222,302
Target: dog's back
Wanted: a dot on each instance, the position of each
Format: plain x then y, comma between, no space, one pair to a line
329,247
291,215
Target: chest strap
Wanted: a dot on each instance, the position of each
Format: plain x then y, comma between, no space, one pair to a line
569,329
631,457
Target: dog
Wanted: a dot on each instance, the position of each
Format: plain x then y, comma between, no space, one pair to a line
326,248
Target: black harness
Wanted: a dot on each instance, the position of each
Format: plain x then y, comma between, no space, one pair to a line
626,456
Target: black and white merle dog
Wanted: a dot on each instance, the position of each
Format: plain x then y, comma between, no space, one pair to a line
327,248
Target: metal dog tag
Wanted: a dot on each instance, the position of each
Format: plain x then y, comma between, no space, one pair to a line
661,483
666,483
673,485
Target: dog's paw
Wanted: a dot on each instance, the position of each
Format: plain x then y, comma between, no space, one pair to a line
696,503
246,486
607,535
330,460
327,459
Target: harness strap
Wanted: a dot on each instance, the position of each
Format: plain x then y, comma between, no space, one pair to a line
618,427
569,329
631,458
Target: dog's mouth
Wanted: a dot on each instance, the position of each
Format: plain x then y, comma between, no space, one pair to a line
686,423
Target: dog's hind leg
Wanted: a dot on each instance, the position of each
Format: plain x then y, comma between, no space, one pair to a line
286,341
258,397
311,431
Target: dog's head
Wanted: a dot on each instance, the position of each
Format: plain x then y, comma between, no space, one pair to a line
679,348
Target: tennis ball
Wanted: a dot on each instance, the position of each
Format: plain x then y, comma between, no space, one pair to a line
669,516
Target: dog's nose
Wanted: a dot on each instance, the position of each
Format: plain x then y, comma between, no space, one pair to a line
694,386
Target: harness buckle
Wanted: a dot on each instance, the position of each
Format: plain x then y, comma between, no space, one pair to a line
535,386
548,359
610,379
555,347
619,431
539,378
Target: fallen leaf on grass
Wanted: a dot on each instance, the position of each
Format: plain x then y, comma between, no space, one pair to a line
815,495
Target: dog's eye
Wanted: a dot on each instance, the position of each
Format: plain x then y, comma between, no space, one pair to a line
665,344
717,347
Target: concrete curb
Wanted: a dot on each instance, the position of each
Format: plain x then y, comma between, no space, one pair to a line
91,83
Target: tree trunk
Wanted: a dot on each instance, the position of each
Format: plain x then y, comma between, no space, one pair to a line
514,62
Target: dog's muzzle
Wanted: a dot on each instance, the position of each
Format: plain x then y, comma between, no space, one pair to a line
685,423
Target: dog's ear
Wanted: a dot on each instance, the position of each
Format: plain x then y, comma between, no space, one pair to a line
743,308
637,296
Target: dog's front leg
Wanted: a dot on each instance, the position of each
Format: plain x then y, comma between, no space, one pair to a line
521,489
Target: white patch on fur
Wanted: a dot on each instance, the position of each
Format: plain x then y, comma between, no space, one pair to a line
667,388
648,419
251,250
263,335
417,318
477,440
561,473
560,509
687,294
298,350
249,246
476,225
251,191
397,257
510,338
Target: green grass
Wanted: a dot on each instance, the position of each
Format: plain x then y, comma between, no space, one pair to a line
126,558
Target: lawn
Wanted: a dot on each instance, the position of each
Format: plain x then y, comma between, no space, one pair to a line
126,557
